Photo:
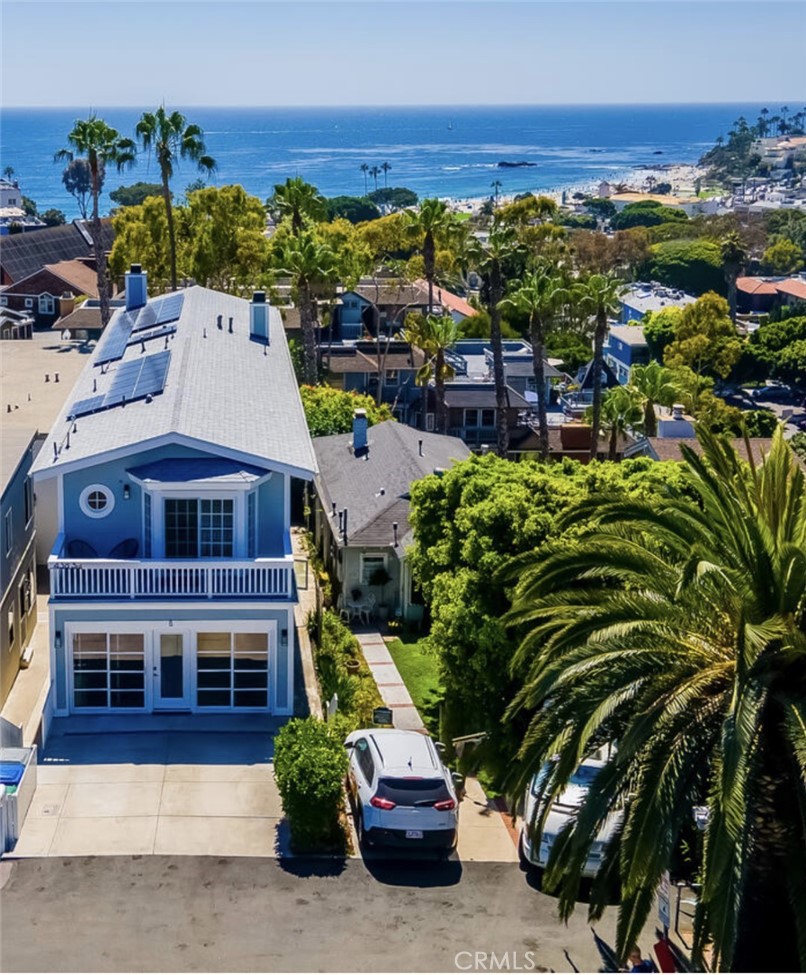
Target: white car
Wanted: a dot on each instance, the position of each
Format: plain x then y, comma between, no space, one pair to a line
402,793
535,850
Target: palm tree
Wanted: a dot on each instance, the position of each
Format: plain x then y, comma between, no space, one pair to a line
435,335
309,263
375,173
432,221
501,249
680,633
655,383
385,167
734,257
100,145
365,169
540,297
8,173
299,201
622,411
599,296
496,187
172,139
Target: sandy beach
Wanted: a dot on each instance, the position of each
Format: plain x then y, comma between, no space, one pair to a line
682,177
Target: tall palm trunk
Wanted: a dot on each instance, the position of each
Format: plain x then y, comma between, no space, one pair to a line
732,274
538,349
169,213
98,246
439,389
598,363
429,262
307,318
650,419
496,295
765,904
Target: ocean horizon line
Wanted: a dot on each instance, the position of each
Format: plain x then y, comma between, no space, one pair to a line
414,106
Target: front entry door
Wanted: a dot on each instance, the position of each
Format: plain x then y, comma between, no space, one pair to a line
171,683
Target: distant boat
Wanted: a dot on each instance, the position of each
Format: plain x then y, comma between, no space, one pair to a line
450,125
506,164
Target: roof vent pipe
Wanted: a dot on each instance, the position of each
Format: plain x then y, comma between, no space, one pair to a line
420,447
136,287
220,322
230,324
394,532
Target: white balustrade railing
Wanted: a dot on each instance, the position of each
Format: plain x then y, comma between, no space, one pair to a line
149,579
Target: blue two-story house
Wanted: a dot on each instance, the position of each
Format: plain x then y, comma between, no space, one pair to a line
165,485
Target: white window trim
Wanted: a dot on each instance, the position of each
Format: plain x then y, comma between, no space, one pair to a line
152,630
47,304
8,531
238,499
383,556
83,501
29,302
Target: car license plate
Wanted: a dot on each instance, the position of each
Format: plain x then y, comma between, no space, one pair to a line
414,834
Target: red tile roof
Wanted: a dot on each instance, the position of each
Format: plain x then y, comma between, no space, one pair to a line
756,286
449,300
794,287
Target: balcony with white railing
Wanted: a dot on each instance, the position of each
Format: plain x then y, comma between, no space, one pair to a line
169,579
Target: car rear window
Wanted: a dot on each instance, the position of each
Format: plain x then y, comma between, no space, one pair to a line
413,792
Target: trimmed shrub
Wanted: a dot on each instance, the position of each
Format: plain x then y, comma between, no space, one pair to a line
357,692
692,265
310,764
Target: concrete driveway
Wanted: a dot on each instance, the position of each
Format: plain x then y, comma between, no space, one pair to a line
144,785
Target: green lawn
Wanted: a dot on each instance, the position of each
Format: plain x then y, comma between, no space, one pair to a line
418,668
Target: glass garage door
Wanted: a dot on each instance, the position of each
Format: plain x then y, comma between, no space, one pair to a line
108,670
232,670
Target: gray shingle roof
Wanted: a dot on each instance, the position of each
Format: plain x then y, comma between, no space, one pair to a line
391,465
222,390
22,254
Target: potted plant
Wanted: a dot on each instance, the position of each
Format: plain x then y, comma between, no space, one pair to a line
380,577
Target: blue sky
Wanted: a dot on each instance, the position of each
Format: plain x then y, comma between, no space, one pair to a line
268,52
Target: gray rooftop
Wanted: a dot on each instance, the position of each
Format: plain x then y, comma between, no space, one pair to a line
16,441
652,297
222,391
628,334
391,465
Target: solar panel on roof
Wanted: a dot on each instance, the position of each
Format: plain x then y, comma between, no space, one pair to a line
153,374
115,340
160,311
156,334
84,406
123,382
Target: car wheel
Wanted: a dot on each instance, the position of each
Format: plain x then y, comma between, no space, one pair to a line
522,861
363,839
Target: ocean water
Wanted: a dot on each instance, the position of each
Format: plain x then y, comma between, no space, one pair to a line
434,151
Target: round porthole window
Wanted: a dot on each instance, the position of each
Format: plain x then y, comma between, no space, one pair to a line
96,501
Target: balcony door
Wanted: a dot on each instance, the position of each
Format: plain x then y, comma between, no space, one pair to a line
171,671
199,528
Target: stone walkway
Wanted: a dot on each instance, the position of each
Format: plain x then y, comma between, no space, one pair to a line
485,834
393,691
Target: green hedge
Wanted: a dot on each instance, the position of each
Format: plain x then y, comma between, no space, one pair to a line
337,658
310,763
691,265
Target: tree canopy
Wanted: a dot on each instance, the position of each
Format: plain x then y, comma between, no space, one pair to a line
134,195
330,410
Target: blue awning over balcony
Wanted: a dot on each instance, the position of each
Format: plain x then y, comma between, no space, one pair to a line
200,470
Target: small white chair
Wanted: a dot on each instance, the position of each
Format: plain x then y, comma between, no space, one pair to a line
367,610
344,613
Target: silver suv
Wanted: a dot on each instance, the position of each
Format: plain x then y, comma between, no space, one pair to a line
402,793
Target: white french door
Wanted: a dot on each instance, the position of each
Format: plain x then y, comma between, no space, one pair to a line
171,670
